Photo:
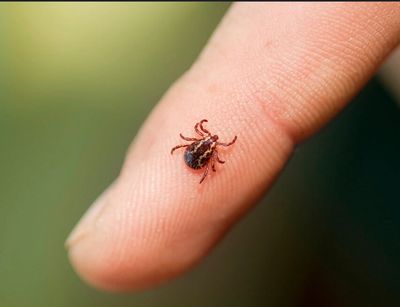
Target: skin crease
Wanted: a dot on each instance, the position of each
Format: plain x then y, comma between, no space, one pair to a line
272,74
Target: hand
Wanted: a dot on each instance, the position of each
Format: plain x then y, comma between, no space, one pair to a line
272,74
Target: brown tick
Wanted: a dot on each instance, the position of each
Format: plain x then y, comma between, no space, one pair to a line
203,150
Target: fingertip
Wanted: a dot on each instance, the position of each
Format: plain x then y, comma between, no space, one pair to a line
159,223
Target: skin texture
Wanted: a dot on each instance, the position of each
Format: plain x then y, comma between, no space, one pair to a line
272,74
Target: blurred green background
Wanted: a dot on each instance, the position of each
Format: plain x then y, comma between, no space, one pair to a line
76,83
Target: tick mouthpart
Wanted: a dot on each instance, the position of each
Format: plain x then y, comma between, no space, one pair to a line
214,138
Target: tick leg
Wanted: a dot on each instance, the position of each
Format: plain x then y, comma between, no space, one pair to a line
205,173
228,144
176,147
220,161
202,128
196,128
213,164
188,139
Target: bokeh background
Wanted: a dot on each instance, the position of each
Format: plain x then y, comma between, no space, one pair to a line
76,83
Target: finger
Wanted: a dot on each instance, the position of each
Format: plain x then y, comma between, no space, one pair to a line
272,74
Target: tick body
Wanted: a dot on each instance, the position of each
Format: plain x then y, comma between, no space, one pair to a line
203,150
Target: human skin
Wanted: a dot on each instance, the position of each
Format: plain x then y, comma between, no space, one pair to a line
272,74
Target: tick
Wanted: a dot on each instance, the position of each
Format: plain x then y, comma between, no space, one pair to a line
202,151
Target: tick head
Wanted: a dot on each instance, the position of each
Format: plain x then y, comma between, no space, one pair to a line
214,138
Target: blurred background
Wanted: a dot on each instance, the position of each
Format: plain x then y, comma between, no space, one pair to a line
76,83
